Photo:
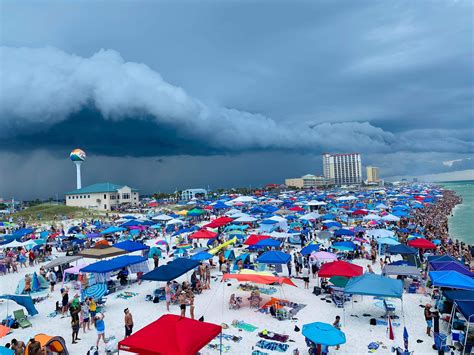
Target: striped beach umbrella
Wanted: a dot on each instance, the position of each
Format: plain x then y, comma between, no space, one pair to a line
95,291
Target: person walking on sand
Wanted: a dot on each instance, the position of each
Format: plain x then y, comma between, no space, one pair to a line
52,278
168,295
428,319
128,323
85,313
305,275
337,324
100,328
65,301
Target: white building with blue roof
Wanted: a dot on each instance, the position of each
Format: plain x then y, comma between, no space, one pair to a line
102,196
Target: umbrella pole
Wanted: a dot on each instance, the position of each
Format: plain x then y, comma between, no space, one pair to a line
220,346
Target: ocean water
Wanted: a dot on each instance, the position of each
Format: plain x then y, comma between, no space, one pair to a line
461,223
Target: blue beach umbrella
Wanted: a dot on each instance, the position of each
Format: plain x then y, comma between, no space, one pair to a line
203,255
96,291
324,334
405,338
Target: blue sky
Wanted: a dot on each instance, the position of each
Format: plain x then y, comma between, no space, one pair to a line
174,94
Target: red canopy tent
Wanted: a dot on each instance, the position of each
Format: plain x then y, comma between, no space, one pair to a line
421,243
171,335
259,279
203,234
340,268
297,209
360,213
254,239
219,222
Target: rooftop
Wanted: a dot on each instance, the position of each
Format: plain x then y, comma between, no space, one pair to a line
96,188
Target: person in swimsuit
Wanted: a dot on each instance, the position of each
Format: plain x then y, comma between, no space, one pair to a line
182,303
168,295
128,323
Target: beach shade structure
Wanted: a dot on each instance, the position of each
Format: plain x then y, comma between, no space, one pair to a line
343,232
324,256
95,291
56,344
196,212
403,270
421,243
24,301
203,234
172,270
452,266
273,257
6,351
401,249
339,281
439,258
310,248
254,239
130,246
112,230
374,285
269,242
161,217
219,222
162,242
324,334
454,295
171,335
202,255
340,268
451,279
154,251
360,213
105,266
3,331
344,246
96,253
390,218
258,278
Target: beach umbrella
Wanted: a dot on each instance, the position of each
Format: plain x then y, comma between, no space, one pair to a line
95,291
324,334
35,284
203,255
339,281
324,256
162,242
310,248
405,338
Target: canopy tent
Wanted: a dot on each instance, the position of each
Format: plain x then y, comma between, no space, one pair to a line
202,255
339,281
404,270
310,248
401,249
438,258
171,335
421,243
269,242
273,257
101,253
130,246
374,285
254,239
340,268
344,246
259,278
22,300
112,230
451,279
451,266
6,351
466,307
324,256
61,261
453,295
203,234
53,344
172,270
74,270
105,266
219,222
324,334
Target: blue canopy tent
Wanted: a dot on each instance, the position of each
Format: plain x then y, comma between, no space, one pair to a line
273,257
374,285
112,229
343,232
131,246
105,266
439,258
384,242
229,254
172,270
466,308
22,232
451,266
401,249
23,300
451,279
269,242
202,255
454,295
344,246
309,249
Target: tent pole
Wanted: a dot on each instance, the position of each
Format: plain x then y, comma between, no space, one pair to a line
465,336
220,346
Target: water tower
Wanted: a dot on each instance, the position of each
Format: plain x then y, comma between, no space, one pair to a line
78,156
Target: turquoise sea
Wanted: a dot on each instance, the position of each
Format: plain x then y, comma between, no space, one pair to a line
461,224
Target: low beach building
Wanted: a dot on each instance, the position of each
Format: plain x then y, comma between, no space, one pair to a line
307,181
102,196
191,194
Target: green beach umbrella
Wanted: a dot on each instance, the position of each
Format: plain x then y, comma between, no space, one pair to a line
339,281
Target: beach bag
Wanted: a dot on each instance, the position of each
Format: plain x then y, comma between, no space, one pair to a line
373,321
156,299
317,290
94,350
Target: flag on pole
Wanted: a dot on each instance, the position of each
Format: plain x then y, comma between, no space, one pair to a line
405,338
390,329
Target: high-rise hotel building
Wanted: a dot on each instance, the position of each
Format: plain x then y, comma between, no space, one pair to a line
342,169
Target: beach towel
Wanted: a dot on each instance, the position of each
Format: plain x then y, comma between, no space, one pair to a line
126,295
244,326
274,336
273,346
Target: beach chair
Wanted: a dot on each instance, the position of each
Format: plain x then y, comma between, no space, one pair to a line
20,317
338,299
389,309
234,302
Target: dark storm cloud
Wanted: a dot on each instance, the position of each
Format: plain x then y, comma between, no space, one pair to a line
238,80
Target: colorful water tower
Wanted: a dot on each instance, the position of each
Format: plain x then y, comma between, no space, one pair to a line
78,156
